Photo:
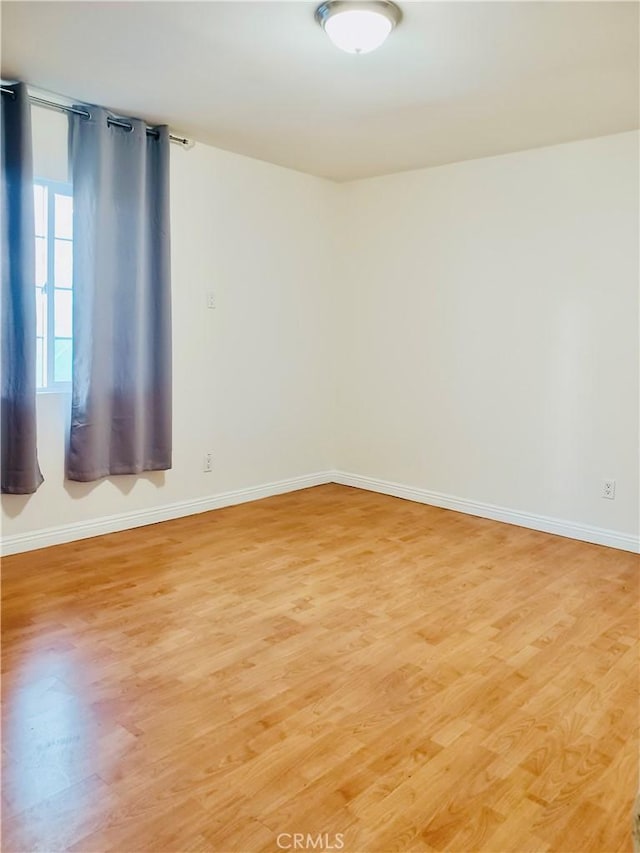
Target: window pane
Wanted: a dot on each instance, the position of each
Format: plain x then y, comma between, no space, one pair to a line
63,263
41,313
64,216
39,363
62,313
40,202
41,261
62,363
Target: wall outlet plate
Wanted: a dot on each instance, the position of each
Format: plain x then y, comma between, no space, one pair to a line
208,462
609,489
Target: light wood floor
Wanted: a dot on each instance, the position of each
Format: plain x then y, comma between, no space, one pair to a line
330,661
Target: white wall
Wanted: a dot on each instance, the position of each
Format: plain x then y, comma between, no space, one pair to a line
490,330
250,378
470,330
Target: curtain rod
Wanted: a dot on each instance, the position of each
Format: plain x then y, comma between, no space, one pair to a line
114,122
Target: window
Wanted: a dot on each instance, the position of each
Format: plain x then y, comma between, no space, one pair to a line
54,282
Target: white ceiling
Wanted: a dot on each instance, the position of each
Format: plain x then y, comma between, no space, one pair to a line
456,80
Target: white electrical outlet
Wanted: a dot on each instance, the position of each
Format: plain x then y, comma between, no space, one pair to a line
208,463
609,489
211,299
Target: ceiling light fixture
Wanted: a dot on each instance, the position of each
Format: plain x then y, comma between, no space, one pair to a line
358,26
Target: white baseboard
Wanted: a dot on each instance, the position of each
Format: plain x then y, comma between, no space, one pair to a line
570,529
124,521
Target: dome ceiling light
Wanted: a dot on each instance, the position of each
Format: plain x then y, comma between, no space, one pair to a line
358,26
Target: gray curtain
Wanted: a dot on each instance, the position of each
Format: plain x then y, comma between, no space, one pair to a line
20,470
121,400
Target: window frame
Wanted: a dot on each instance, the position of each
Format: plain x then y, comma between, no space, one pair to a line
60,188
